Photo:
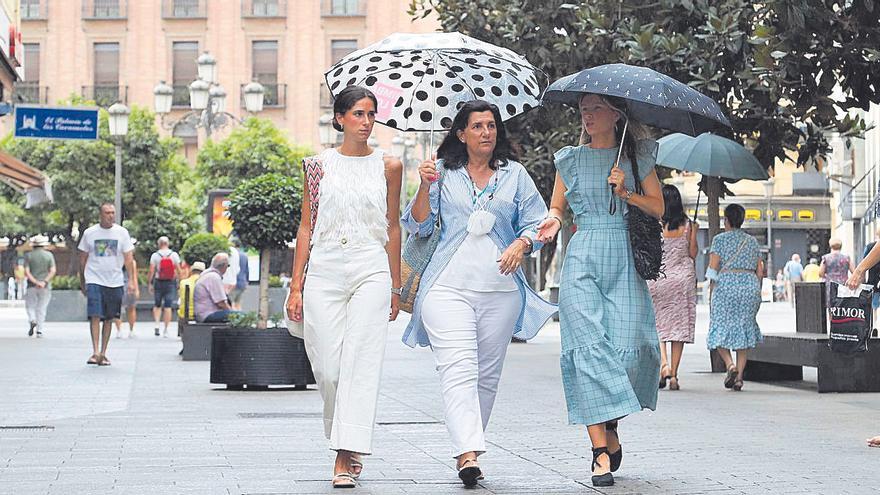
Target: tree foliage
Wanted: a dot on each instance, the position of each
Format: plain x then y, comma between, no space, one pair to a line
82,172
266,212
257,147
784,71
173,217
202,247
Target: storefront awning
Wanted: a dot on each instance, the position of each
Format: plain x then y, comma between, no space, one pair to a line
25,179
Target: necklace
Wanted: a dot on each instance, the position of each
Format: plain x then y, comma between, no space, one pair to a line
474,189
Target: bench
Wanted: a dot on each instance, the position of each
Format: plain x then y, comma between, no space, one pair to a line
196,337
782,357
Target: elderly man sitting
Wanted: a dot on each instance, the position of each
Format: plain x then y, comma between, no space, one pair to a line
209,297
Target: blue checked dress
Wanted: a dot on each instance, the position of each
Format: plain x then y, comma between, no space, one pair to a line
610,350
736,296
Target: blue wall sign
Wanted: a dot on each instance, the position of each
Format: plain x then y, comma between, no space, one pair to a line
56,122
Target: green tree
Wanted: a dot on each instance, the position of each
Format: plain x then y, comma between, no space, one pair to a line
784,71
253,149
202,247
266,212
172,217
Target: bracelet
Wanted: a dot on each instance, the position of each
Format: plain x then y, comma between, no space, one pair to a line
527,242
628,196
554,217
397,290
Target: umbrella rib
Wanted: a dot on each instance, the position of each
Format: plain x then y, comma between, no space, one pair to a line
442,58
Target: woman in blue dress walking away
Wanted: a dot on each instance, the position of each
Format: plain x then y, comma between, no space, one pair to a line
735,270
610,351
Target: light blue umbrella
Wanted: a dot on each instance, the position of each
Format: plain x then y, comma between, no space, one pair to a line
710,155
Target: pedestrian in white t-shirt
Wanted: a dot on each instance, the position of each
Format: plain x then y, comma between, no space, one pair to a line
104,249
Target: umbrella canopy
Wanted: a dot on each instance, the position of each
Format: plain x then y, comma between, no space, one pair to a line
710,155
652,98
421,80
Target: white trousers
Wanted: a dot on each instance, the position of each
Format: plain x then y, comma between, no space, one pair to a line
469,333
36,302
346,303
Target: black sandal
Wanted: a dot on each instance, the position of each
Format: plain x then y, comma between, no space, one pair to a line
606,479
730,377
469,475
616,457
663,377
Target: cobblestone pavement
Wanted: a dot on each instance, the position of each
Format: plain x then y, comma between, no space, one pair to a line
153,424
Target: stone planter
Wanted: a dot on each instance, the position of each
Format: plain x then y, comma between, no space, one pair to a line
66,305
246,357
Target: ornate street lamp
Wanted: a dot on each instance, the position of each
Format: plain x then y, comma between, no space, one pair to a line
118,129
207,99
327,133
254,93
768,193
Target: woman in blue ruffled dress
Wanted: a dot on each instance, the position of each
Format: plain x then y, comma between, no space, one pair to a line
610,351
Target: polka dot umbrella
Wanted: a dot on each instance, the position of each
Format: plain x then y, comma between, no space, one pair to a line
421,80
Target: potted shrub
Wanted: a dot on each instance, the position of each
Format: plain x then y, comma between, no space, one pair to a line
244,357
265,212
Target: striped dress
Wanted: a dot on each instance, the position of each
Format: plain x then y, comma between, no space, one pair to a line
610,352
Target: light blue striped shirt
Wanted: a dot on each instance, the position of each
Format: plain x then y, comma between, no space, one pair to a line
518,209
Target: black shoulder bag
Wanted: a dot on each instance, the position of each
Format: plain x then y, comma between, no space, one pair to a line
645,231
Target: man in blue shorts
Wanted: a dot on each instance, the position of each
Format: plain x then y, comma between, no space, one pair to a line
103,250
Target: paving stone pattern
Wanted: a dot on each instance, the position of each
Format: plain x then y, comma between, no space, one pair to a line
152,423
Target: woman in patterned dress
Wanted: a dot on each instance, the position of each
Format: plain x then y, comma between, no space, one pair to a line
835,267
735,270
674,295
610,353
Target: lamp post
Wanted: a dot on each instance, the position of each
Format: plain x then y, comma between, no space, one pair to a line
768,194
118,129
207,99
326,132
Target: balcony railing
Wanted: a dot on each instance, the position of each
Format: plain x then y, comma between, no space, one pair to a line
180,98
184,9
31,92
274,95
264,8
104,9
35,10
105,95
343,8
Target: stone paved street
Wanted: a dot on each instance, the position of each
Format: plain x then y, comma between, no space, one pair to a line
153,424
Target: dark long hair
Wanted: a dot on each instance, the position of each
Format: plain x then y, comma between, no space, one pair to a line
347,99
735,215
454,152
673,214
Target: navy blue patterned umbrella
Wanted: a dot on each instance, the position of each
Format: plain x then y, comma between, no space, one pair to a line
652,98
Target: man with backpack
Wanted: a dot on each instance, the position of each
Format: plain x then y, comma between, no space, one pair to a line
163,276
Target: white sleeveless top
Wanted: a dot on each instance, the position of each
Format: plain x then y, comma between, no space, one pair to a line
353,203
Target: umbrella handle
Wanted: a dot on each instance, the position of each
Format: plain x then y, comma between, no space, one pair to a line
697,208
612,205
433,98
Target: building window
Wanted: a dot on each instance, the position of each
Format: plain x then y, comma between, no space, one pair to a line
265,69
341,48
184,70
107,8
265,8
29,91
106,91
184,8
344,7
30,9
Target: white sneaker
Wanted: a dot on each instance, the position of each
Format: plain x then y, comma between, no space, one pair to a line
131,334
119,334
165,333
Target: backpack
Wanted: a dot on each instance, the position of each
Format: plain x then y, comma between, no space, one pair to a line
166,268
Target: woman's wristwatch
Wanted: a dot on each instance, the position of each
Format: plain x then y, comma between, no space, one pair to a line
530,246
397,290
628,195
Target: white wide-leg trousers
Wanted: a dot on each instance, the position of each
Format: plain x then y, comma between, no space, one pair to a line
469,333
346,303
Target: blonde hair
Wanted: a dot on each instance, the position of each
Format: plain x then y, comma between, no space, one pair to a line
835,243
635,130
